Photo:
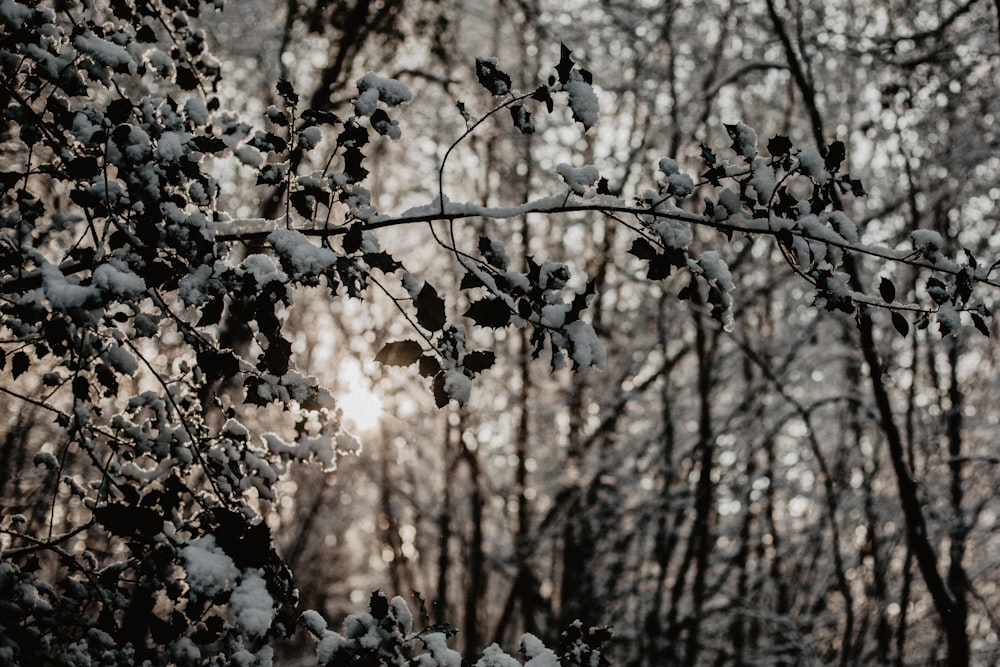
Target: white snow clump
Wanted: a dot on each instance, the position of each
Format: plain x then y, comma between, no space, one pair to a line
578,178
582,100
209,569
373,88
252,604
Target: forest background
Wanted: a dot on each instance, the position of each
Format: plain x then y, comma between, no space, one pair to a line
771,469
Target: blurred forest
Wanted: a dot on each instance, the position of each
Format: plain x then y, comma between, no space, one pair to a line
717,497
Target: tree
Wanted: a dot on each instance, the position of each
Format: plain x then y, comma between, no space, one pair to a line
144,535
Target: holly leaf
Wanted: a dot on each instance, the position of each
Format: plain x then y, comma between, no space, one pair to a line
430,309
428,366
492,79
185,78
488,312
522,119
565,65
835,155
19,364
400,353
353,164
441,397
544,95
642,249
478,361
126,521
779,146
287,93
320,117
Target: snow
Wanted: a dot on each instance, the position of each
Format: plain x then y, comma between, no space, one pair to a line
536,653
948,319
252,604
373,88
328,646
457,385
762,181
310,137
674,233
494,656
314,622
812,165
669,166
121,359
139,145
582,100
263,269
45,459
844,225
62,294
585,348
442,655
403,614
14,14
681,185
116,278
209,569
926,238
745,141
578,178
160,61
105,53
297,252
249,156
715,270
196,110
86,123
170,146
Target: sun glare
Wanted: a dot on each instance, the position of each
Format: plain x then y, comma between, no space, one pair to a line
362,408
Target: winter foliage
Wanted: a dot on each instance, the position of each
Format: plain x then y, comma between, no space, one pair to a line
155,328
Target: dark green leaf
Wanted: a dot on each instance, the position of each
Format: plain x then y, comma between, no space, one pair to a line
565,65
353,239
83,167
642,249
378,605
208,144
320,117
287,93
185,78
522,119
543,94
980,324
119,111
478,361
470,280
887,290
835,155
19,364
145,34
354,164
430,309
779,145
492,313
400,353
127,521
428,366
491,78
441,396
